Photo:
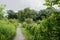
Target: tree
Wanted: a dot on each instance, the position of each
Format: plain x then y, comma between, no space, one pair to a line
30,13
52,2
42,13
11,14
26,13
21,15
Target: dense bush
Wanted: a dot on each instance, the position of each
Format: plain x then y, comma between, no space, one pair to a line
7,30
36,30
13,21
29,20
47,29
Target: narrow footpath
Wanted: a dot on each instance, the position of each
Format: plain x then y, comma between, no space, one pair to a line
19,35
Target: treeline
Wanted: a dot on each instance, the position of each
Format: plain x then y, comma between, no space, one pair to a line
33,14
22,15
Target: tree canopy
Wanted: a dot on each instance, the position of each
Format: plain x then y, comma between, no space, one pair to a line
52,2
11,14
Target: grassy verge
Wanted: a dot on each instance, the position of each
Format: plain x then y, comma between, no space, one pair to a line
26,33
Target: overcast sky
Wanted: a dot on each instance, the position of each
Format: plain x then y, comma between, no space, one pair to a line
21,4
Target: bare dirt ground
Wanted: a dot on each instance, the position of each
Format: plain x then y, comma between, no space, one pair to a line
19,35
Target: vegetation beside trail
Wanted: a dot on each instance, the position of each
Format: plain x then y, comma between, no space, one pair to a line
7,30
7,26
47,29
27,34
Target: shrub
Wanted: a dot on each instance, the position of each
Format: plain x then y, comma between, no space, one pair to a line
13,21
29,20
47,29
7,30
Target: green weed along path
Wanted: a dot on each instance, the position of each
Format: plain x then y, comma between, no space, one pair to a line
19,35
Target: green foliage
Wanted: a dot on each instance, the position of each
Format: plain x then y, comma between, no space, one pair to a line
21,16
14,22
43,13
1,11
11,14
47,29
7,30
26,32
26,13
29,20
7,27
52,2
34,15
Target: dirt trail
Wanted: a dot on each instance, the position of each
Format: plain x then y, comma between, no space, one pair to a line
19,35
